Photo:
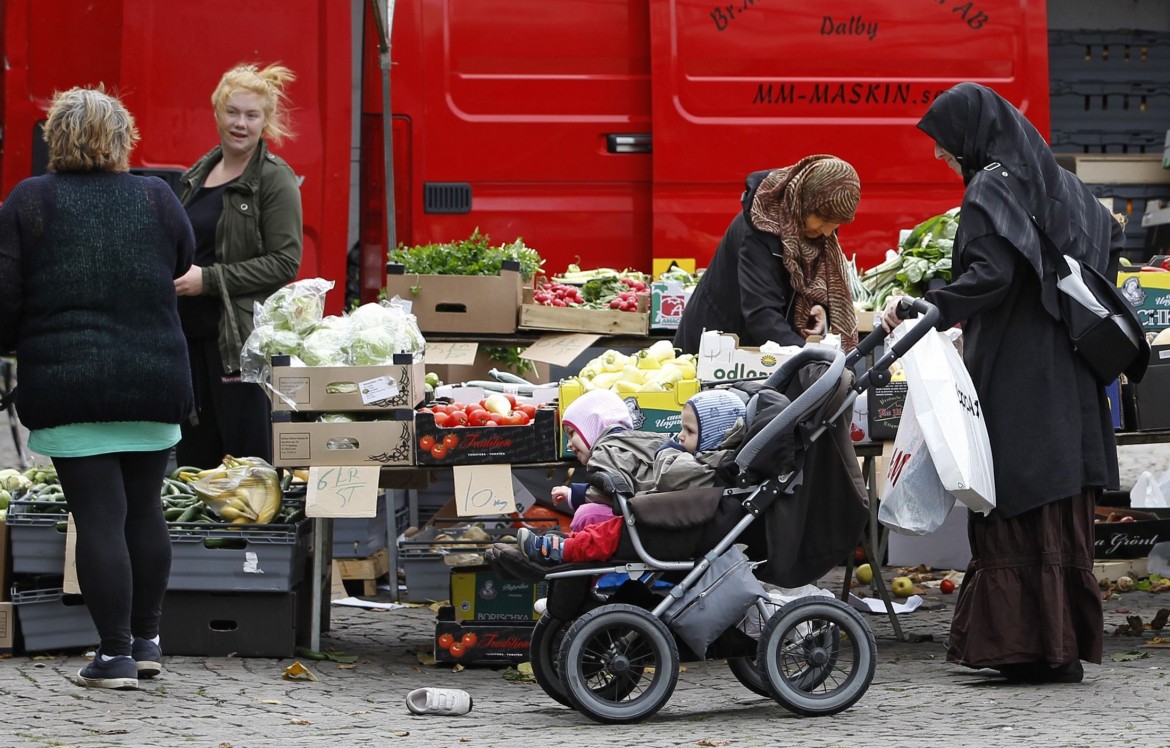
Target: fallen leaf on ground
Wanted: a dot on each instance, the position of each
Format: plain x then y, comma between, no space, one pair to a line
401,734
426,658
297,671
1128,656
709,742
299,722
268,701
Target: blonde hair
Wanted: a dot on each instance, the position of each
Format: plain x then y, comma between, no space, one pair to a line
267,83
89,130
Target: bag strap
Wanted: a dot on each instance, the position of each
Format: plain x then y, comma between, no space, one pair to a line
1055,256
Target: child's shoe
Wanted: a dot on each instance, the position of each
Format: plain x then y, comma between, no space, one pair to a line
543,549
448,702
120,673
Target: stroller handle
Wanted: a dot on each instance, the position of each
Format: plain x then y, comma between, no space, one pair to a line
879,373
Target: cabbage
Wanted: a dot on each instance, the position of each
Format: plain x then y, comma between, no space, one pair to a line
372,346
264,342
324,347
296,307
402,325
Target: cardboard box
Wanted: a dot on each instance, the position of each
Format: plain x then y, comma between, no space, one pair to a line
474,642
7,627
338,389
1146,406
535,316
885,407
460,303
721,358
479,367
652,411
479,594
307,444
1149,294
667,301
460,393
945,548
1134,539
1106,168
483,445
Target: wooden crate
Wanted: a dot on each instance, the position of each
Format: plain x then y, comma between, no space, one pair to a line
535,316
368,570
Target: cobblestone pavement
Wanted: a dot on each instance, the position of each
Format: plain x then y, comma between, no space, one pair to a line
916,698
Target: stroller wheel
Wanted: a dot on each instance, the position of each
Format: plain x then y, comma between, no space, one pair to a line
618,663
818,655
745,671
543,651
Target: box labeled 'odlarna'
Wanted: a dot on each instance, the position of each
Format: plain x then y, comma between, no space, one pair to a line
721,358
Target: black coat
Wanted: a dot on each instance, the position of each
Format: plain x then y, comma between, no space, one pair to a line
745,290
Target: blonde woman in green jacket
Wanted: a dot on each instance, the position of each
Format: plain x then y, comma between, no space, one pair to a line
244,204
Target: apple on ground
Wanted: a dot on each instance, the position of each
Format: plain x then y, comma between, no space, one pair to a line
902,587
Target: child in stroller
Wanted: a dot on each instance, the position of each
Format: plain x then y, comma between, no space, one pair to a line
615,659
712,426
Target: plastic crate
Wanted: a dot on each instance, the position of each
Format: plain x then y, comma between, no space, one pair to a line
361,537
37,537
209,557
428,577
47,619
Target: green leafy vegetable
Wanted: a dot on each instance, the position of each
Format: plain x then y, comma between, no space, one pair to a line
471,256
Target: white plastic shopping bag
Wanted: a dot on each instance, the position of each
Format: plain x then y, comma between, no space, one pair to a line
951,419
914,501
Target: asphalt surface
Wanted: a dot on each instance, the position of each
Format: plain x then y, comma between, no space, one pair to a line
915,699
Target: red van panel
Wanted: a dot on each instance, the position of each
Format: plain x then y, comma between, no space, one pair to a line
750,85
164,59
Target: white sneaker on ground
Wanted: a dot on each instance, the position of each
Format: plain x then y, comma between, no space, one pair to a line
442,701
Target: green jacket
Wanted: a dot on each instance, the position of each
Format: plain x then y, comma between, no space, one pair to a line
257,241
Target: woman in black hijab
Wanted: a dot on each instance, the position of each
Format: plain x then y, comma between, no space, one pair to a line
1029,606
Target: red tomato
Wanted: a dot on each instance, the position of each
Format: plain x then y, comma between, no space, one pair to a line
450,441
495,420
529,410
519,418
439,451
426,442
446,640
442,420
511,400
458,418
946,586
468,640
478,417
457,650
459,406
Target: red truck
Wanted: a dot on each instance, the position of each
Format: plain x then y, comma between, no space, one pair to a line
609,132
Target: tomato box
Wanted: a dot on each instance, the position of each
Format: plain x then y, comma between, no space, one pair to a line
387,441
476,642
1128,533
479,594
651,411
339,389
460,303
535,316
480,445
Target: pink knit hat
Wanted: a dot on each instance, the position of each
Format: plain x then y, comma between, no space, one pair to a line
595,413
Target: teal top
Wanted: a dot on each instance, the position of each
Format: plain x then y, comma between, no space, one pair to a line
88,439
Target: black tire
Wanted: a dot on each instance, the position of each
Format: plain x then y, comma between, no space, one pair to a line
818,655
543,653
619,664
744,668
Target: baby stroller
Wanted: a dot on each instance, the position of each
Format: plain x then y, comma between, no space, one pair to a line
691,591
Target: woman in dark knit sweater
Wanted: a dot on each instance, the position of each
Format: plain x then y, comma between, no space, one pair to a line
88,254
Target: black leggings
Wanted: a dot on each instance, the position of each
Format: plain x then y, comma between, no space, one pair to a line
123,548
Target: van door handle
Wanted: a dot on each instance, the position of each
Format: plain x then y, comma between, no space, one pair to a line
628,142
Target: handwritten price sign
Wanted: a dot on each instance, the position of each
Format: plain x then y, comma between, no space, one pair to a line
342,491
483,489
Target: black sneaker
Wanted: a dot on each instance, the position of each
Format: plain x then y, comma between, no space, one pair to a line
148,656
120,673
543,549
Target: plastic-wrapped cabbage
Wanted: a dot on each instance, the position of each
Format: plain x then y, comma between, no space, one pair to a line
372,346
402,326
262,344
336,418
297,307
325,346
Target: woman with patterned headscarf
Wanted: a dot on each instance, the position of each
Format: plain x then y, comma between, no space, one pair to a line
779,273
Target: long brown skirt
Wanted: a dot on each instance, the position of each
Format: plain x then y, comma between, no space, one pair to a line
1029,594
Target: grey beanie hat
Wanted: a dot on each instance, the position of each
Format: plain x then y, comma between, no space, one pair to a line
716,411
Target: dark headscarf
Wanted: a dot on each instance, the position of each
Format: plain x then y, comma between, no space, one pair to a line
829,188
980,128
